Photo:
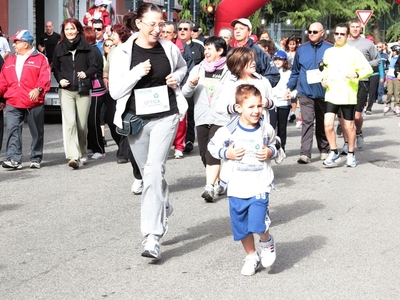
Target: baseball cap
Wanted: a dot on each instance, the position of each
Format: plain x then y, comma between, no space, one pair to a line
196,27
102,2
242,21
23,35
280,54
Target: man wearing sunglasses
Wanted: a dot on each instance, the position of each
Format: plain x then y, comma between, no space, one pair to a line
99,27
169,33
306,78
185,28
344,66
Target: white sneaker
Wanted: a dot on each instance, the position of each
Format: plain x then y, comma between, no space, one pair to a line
84,161
35,165
267,253
98,155
351,160
178,154
151,247
298,124
137,186
208,193
218,190
251,264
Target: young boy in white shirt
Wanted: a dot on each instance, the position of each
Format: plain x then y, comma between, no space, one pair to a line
246,145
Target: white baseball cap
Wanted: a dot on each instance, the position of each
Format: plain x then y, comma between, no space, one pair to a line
242,21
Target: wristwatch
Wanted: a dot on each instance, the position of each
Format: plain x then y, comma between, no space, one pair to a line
39,89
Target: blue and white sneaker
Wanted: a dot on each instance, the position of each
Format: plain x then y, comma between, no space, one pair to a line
268,253
332,159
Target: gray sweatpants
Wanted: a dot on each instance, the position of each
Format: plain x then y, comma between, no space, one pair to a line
150,148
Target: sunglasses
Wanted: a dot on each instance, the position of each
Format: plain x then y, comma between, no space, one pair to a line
98,29
104,5
109,45
313,31
183,28
339,33
195,30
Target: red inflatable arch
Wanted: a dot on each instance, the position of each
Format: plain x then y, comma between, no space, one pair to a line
229,10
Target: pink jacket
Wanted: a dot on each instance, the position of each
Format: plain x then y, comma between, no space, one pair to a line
36,72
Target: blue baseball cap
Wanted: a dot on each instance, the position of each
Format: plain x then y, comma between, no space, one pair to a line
280,54
23,35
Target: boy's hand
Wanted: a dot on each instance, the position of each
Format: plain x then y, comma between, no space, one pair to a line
264,153
235,153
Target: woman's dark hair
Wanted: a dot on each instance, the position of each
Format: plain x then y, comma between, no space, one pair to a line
73,21
130,17
292,38
89,34
264,31
238,58
218,42
122,31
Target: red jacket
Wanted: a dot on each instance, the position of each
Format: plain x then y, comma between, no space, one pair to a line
104,17
36,72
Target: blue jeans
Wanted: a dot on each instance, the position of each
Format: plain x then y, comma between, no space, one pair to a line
15,123
381,91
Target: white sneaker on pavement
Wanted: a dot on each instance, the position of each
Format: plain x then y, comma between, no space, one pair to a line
137,186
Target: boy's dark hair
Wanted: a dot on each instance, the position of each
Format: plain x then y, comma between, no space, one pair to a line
245,91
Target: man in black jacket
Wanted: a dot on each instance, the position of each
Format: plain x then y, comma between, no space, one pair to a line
264,64
185,28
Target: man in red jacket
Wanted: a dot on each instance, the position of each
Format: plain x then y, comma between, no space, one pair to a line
24,81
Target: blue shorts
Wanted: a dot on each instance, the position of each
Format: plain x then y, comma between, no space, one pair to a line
249,216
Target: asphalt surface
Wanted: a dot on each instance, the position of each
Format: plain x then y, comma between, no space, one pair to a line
75,234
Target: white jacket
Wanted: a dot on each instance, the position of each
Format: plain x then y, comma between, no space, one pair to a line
122,79
204,111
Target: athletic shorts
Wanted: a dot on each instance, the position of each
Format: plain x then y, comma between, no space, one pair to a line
249,216
345,111
362,95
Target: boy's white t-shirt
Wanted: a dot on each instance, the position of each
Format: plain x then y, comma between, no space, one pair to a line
249,176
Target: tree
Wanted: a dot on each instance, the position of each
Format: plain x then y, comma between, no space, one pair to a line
304,12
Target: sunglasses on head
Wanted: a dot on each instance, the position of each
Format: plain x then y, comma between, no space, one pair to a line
183,28
98,29
339,33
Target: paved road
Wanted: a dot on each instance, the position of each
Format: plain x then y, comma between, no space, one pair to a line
68,234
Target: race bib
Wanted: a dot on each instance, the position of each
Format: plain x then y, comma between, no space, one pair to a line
151,100
314,76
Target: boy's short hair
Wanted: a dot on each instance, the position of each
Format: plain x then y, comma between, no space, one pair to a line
245,91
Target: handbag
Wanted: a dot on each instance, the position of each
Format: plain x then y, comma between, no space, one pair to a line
84,86
131,125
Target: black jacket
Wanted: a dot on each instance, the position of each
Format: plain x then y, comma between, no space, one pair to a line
65,66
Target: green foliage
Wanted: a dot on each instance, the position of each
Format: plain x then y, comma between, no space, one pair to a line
302,12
